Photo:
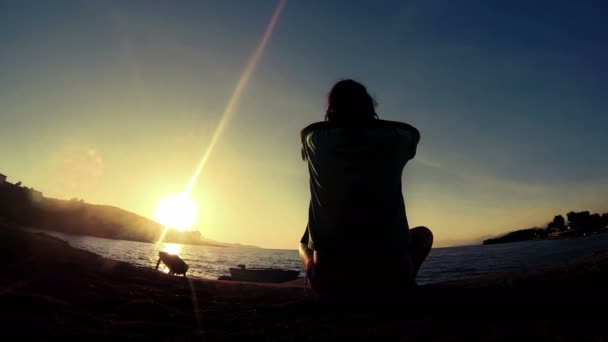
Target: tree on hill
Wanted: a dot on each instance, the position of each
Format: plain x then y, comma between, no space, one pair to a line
558,224
584,223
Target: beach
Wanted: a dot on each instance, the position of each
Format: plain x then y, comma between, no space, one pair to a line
52,290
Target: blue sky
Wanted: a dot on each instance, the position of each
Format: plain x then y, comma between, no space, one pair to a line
102,96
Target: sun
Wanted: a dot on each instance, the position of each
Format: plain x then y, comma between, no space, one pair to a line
176,211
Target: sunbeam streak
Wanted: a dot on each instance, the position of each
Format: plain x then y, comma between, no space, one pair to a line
236,94
232,101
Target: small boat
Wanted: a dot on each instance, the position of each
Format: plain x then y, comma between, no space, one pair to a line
265,275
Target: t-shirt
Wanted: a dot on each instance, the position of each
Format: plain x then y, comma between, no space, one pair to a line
355,185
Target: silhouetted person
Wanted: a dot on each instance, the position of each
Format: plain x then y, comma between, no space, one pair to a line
175,264
357,235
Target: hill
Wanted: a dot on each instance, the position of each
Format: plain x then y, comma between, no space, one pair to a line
575,224
519,235
74,216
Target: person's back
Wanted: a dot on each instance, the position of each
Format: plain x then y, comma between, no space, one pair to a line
356,185
355,162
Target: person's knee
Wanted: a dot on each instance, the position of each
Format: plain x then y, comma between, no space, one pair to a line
423,235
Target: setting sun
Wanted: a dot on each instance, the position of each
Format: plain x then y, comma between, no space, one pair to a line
176,211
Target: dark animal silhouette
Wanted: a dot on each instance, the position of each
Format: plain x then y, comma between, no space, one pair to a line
175,264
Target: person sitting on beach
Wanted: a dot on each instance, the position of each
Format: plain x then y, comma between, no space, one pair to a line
357,234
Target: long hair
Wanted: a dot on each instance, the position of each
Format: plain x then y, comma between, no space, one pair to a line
349,101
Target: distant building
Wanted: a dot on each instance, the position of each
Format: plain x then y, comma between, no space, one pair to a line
35,195
4,183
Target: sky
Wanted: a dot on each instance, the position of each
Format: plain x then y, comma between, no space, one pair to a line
116,102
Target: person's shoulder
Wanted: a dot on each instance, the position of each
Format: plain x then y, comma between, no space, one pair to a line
324,125
401,125
315,126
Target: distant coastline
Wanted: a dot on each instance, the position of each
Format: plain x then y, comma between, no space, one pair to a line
578,224
28,207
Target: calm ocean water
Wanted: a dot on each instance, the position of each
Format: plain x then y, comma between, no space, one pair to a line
443,263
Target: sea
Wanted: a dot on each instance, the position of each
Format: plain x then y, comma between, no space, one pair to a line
442,264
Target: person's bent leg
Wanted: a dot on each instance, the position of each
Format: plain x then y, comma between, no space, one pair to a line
421,243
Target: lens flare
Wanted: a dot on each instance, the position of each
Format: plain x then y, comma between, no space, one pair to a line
172,248
236,94
232,101
176,211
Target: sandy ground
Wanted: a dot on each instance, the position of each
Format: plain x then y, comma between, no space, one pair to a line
51,290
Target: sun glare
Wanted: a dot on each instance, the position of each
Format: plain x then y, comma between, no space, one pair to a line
176,211
172,248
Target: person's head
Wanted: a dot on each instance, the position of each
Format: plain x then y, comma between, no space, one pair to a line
349,101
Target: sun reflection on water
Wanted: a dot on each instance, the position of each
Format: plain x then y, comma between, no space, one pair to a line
172,248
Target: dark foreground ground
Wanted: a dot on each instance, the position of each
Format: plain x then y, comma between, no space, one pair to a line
51,290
